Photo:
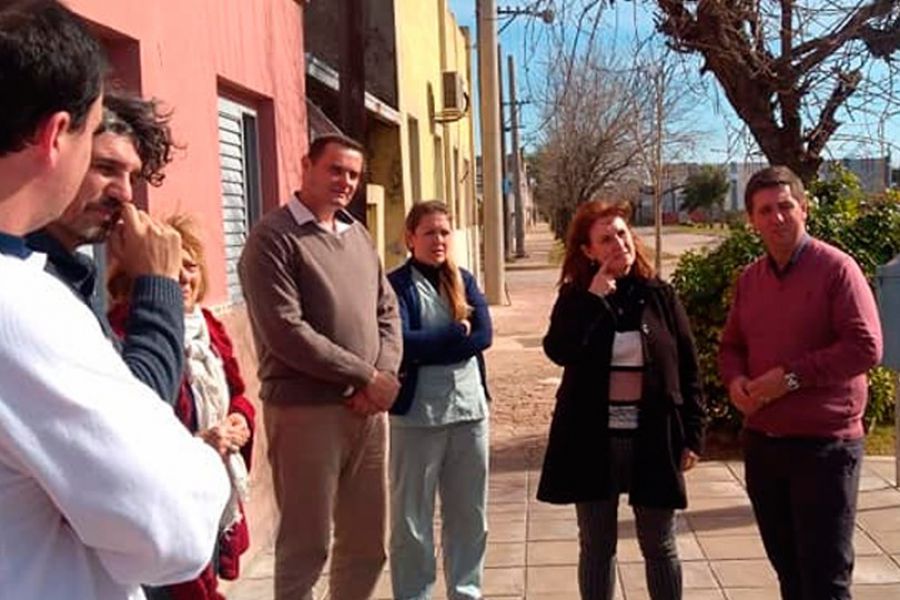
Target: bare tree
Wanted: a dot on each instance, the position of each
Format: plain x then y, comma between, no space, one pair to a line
800,74
790,67
666,129
614,108
588,138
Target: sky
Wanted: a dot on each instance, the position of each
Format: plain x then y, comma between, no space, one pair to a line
713,113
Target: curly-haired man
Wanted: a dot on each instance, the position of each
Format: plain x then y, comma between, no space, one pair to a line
132,143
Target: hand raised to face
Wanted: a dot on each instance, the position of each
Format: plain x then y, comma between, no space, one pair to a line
611,244
143,246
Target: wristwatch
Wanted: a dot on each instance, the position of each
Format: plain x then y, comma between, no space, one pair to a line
791,382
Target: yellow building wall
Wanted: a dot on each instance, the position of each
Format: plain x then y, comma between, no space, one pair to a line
385,170
459,147
429,42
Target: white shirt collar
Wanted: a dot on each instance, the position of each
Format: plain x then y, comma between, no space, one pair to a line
302,215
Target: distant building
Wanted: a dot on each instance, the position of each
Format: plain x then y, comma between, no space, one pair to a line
674,177
875,176
739,174
874,173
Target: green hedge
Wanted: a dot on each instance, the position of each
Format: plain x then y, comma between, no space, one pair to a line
866,228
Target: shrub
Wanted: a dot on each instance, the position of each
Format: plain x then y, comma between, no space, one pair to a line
704,280
841,214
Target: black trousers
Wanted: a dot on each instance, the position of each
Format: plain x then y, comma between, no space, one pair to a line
598,537
803,493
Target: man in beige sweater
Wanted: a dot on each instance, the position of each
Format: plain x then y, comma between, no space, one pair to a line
327,332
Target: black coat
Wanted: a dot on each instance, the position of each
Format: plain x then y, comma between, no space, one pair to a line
672,414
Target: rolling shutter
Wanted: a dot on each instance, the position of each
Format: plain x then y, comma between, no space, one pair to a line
239,162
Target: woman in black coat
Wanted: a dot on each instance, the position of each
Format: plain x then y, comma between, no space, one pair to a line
629,414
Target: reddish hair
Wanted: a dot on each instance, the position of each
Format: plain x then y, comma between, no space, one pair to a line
576,267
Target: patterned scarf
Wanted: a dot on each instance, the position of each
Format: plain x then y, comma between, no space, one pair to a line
209,387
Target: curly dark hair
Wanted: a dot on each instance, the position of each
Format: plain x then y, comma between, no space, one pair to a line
147,124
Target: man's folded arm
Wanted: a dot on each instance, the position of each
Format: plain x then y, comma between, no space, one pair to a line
274,305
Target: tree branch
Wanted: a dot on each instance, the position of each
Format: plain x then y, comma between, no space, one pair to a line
828,124
815,51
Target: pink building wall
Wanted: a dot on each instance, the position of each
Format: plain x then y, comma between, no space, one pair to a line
191,51
187,53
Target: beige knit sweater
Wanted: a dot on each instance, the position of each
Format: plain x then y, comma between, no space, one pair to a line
322,312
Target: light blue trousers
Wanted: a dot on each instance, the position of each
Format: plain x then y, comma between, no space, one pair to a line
452,460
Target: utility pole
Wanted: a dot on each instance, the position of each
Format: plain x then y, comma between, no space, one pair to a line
659,89
494,276
517,159
507,229
352,94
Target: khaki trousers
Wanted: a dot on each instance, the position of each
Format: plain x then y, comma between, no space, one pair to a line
328,468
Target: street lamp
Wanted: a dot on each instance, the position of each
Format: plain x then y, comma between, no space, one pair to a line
547,15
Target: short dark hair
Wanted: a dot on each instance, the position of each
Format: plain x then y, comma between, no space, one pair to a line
146,124
49,62
317,148
775,176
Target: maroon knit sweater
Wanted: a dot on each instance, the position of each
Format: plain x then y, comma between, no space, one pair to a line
818,320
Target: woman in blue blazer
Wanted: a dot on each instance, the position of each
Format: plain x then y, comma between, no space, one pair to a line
439,423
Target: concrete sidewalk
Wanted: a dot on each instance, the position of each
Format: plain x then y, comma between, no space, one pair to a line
532,547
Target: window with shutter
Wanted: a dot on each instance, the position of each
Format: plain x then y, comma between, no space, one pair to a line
241,195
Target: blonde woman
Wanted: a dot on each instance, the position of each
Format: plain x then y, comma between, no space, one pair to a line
211,404
439,423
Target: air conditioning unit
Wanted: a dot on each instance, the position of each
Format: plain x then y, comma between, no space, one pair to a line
454,92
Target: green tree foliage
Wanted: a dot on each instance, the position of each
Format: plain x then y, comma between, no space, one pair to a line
705,189
866,228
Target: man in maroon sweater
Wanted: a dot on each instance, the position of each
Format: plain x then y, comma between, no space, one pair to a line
802,332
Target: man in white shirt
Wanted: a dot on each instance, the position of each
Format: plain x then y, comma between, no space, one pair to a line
101,488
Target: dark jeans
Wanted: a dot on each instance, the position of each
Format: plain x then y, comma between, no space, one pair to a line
804,497
598,536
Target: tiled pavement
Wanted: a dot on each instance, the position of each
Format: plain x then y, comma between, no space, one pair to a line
532,550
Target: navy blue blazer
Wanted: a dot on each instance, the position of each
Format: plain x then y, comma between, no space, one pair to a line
441,345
